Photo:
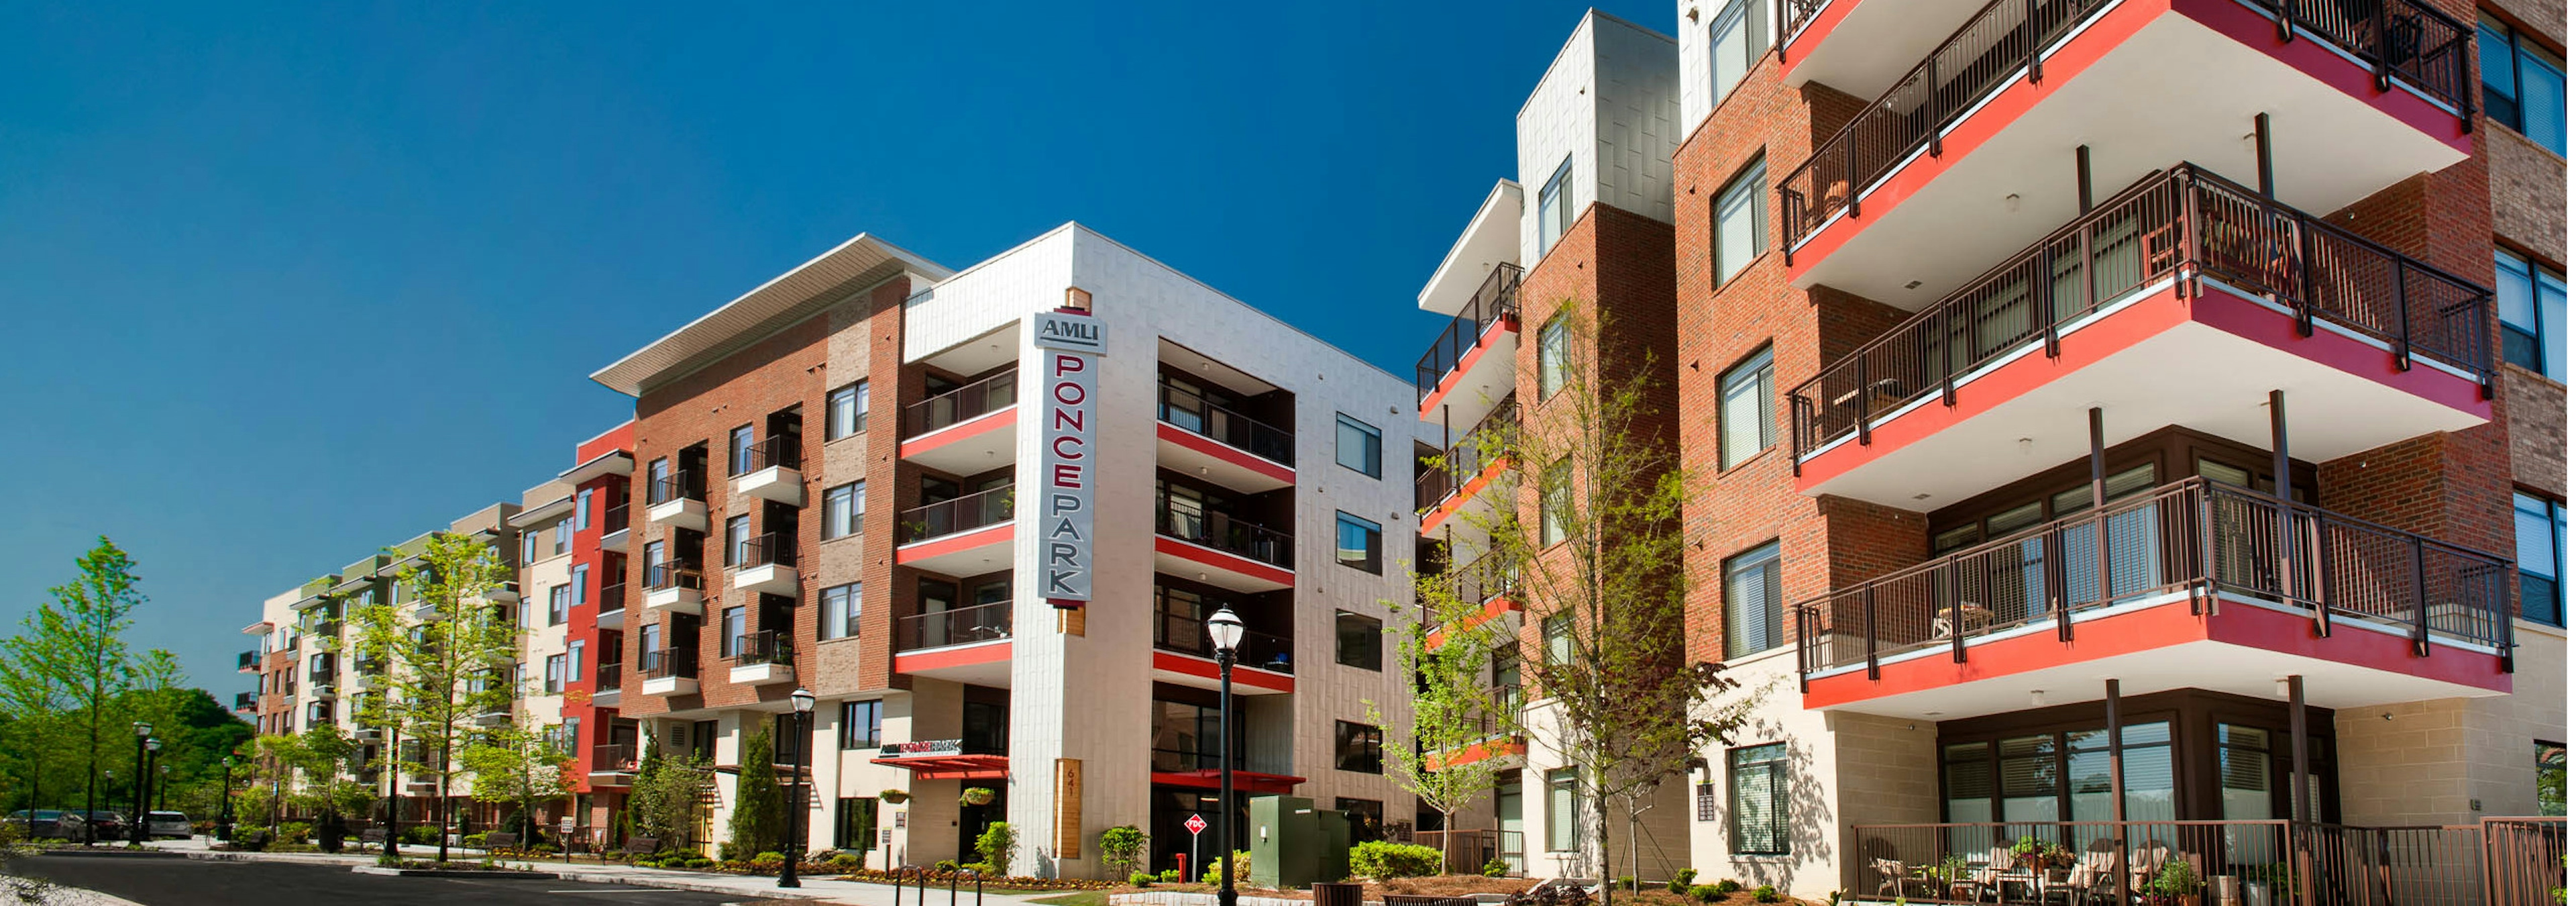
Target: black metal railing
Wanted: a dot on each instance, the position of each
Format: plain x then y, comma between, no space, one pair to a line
1186,633
245,701
957,626
2400,40
2498,861
1491,575
781,450
768,646
675,574
665,663
618,758
612,597
991,394
2185,224
613,520
773,549
1496,301
1479,448
249,661
679,485
1223,532
1189,411
607,677
949,517
2194,535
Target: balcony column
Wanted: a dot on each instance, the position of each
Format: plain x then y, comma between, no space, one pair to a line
2263,155
2287,528
2119,777
2296,687
2084,196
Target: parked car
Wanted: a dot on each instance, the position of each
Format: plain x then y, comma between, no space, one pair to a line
39,824
167,824
78,825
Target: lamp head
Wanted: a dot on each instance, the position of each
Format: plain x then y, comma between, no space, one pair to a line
152,744
1225,629
142,729
804,699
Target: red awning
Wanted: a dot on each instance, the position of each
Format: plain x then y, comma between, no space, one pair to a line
1244,781
952,767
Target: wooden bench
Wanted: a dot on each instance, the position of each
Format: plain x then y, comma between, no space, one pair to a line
372,835
500,840
641,846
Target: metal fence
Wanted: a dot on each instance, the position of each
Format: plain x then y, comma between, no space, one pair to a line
1496,300
991,394
949,517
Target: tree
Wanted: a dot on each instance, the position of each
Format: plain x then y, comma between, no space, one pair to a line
1449,655
321,765
1121,848
759,814
443,663
71,655
519,766
664,801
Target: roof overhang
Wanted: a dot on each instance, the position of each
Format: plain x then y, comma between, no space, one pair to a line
952,767
1492,237
785,299
543,513
614,463
262,627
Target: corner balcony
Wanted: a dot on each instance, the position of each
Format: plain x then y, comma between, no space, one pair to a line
502,593
968,430
1264,664
670,671
763,658
768,565
1221,550
613,533
1491,584
2194,584
612,607
1221,445
245,701
674,587
677,502
768,470
248,662
1479,460
606,682
613,765
2197,298
1974,149
963,644
1469,365
966,536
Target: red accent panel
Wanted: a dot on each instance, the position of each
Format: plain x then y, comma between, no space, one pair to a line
1457,499
2257,31
1491,748
936,658
1209,446
1814,32
1233,563
2256,627
614,440
989,421
998,533
953,767
1449,379
2262,325
1244,781
1204,668
1495,607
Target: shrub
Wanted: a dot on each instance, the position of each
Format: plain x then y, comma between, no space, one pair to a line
1728,885
1170,876
698,862
420,835
1495,868
1628,883
1121,848
996,844
1766,894
296,831
1140,879
944,865
1681,882
1242,868
1381,860
474,841
771,857
1706,893
843,860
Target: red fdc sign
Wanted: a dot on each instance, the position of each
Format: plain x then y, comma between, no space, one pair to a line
1195,825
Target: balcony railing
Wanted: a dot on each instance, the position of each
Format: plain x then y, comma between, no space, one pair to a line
1485,578
959,626
614,520
2185,224
613,758
245,701
775,548
991,394
659,576
1497,299
2193,534
2403,39
765,647
1187,634
949,517
608,676
680,485
1225,533
2496,862
1193,413
665,663
1468,457
781,451
249,661
1794,15
612,598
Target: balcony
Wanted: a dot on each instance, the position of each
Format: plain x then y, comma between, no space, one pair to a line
1479,459
678,501
502,593
1974,149
2187,586
1222,550
675,587
1469,365
965,644
613,527
245,701
1264,664
613,764
670,671
768,565
762,658
612,606
606,684
248,662
769,470
965,536
1222,445
967,430
947,759
2198,298
1490,584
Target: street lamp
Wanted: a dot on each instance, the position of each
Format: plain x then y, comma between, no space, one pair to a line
152,771
224,813
161,788
142,735
1226,630
804,699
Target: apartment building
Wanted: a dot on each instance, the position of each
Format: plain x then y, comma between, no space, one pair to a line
996,584
2189,367
590,678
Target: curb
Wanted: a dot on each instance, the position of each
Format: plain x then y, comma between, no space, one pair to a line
694,886
446,873
111,853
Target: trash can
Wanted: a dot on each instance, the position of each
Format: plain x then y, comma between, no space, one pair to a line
1337,894
331,834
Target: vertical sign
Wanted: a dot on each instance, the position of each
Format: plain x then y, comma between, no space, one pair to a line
1068,808
1069,348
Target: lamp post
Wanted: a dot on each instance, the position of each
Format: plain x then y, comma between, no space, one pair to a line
804,700
224,812
152,769
142,736
1226,630
160,787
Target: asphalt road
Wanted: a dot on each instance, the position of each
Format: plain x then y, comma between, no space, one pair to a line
193,882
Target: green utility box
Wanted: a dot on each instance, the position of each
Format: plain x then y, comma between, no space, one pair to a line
1295,844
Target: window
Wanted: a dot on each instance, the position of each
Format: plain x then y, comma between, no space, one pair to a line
2550,759
1736,38
563,537
1555,206
1753,601
1555,502
558,604
846,411
2540,548
657,481
581,508
1735,222
729,633
1555,355
1558,633
1355,542
862,724
572,659
581,585
1758,799
1357,640
2532,302
840,616
1367,817
1357,446
554,673
1561,803
1746,422
1507,679
1358,748
842,507
737,540
527,547
854,824
2526,86
738,444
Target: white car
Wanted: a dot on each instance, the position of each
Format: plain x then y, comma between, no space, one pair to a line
167,824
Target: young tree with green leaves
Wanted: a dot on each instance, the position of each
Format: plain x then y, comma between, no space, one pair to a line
446,652
321,765
759,807
519,766
71,655
1454,709
664,801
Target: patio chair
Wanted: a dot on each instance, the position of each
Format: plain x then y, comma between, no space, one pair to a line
2091,879
1893,877
1989,878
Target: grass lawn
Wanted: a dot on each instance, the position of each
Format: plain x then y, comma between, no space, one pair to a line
1078,898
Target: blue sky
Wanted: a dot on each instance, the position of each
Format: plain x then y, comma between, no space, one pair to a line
288,284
